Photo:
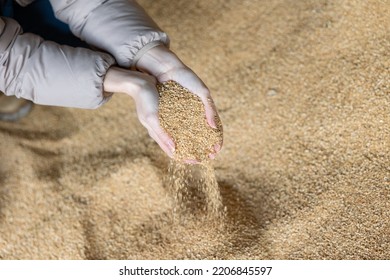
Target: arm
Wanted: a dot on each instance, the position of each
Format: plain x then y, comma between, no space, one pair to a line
120,27
48,73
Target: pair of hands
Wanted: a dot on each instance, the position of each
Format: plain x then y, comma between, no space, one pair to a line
158,65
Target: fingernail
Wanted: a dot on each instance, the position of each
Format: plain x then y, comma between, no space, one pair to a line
212,123
212,156
217,147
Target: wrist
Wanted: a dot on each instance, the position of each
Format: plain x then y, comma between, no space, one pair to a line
122,80
158,61
114,80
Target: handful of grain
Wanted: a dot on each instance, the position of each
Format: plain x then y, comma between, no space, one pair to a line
182,115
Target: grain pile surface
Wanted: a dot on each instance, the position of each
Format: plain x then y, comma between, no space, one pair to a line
303,92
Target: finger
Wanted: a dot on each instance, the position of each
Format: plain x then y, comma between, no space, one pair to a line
210,111
159,135
198,88
164,146
217,149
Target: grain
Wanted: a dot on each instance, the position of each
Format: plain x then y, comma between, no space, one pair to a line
304,172
182,115
195,190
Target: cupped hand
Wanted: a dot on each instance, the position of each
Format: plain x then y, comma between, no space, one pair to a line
142,88
165,65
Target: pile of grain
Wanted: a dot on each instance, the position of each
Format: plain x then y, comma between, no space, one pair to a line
302,90
182,115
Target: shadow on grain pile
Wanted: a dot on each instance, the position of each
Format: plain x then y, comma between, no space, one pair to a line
3,194
58,124
193,234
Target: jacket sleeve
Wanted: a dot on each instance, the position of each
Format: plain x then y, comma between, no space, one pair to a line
48,73
120,27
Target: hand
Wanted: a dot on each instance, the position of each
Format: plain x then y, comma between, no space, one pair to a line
142,88
165,65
